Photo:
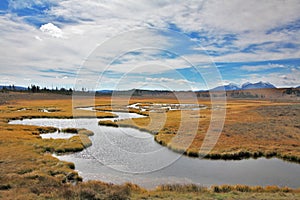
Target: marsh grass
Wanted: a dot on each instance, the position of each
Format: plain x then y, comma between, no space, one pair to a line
80,131
192,191
96,190
108,123
182,188
257,189
27,169
70,130
252,129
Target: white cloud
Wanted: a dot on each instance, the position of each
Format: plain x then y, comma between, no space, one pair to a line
257,56
32,52
261,67
149,66
238,16
169,80
38,38
288,78
52,30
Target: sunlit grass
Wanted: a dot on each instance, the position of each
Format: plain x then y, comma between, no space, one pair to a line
252,129
192,191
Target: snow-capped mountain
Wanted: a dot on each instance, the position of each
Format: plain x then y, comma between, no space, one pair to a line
245,86
258,85
229,87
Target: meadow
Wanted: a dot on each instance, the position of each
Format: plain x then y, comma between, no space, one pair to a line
253,128
28,170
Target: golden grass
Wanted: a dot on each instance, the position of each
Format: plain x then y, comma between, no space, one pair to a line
33,109
108,123
27,168
191,191
252,129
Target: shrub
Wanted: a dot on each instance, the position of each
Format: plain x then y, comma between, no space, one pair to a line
226,188
242,188
108,123
47,129
222,188
193,153
257,189
87,193
121,193
272,188
70,165
70,130
5,187
181,188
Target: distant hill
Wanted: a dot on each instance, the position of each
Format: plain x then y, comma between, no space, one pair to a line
258,85
11,87
104,91
259,90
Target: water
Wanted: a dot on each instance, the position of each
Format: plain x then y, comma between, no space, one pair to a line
121,155
157,106
56,135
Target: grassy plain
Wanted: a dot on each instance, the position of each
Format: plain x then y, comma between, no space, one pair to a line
28,171
253,128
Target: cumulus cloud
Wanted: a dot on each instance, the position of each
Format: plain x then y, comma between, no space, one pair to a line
290,79
52,30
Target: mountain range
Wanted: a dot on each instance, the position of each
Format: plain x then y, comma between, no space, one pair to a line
245,86
228,87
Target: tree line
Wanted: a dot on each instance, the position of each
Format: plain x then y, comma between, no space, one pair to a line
37,89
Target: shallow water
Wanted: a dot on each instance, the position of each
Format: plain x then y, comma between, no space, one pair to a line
57,135
128,155
157,106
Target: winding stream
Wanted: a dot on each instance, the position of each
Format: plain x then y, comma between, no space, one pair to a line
121,155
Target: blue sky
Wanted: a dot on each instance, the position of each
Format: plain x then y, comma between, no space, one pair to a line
175,45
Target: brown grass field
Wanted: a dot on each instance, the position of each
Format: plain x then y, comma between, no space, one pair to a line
252,128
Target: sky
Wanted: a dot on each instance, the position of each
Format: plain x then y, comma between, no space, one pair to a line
158,44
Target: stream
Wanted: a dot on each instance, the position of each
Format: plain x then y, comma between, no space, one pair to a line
119,155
